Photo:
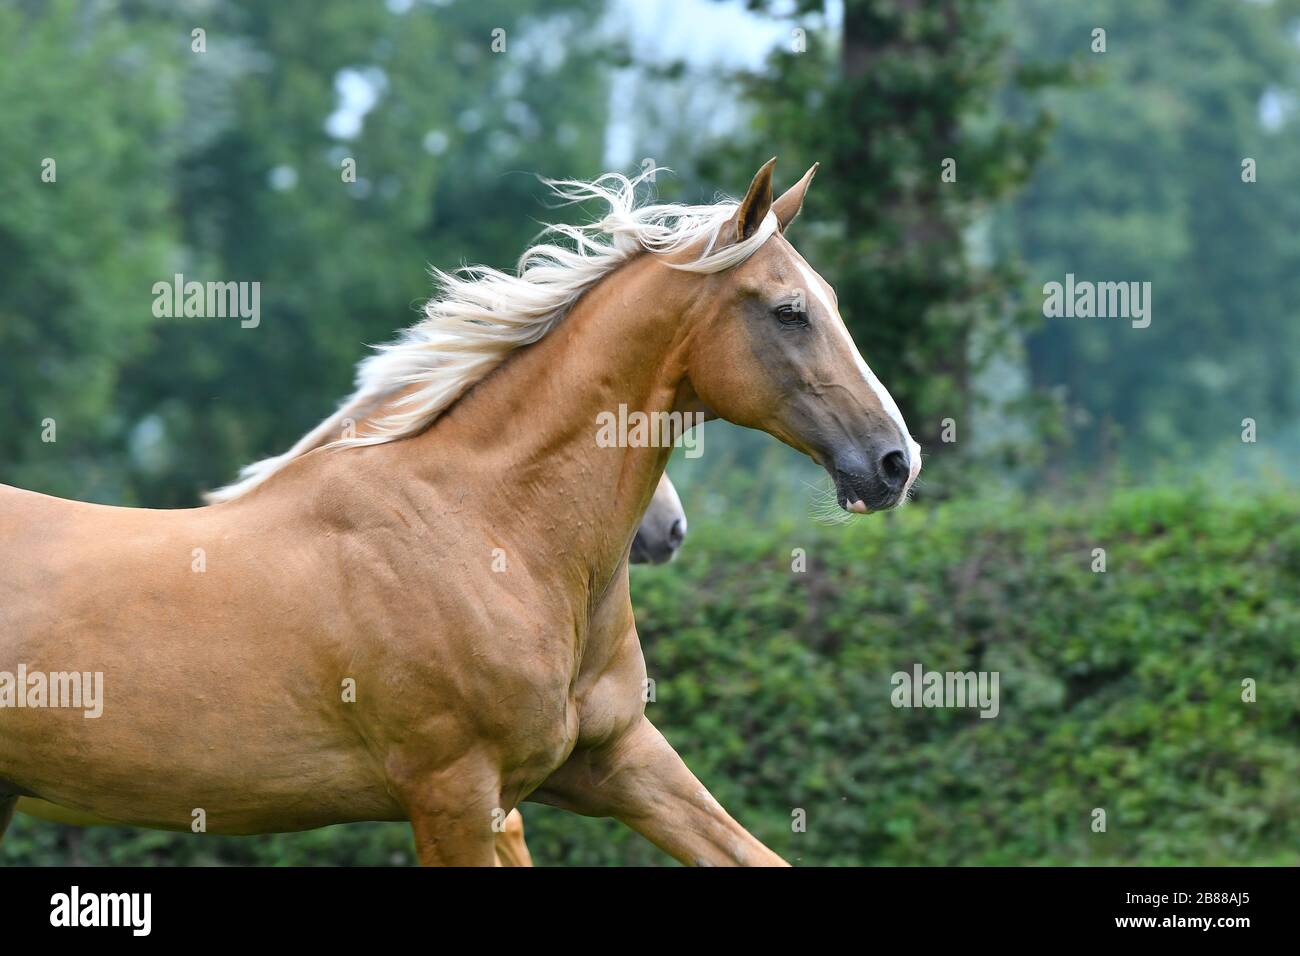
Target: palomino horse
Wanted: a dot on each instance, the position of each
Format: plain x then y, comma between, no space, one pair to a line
660,534
433,623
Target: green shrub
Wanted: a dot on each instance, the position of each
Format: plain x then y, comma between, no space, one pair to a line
1119,691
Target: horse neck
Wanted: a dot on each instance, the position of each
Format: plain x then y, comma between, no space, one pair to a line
523,441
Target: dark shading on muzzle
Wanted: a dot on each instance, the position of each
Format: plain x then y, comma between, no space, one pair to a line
659,545
877,477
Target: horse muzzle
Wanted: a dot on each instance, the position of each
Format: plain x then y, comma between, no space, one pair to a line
658,545
875,480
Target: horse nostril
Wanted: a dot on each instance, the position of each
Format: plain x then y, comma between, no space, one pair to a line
895,469
677,533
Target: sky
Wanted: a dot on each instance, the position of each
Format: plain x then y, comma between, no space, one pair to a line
705,33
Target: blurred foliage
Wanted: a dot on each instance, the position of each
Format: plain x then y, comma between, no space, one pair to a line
225,165
1119,690
80,254
1143,182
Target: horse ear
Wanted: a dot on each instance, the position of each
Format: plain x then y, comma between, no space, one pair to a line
791,201
753,208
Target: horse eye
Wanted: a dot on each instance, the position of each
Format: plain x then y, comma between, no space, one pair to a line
788,315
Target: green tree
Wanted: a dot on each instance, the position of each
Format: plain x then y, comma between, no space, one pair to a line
228,155
439,161
85,222
1144,182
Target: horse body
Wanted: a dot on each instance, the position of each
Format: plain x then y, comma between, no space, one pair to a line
662,530
335,570
477,685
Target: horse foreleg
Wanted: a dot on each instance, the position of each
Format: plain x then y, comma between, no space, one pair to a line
452,810
638,779
510,846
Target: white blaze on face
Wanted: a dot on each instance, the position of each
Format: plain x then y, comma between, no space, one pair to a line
882,394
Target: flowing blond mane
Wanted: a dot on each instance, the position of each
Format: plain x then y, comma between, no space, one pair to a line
479,315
